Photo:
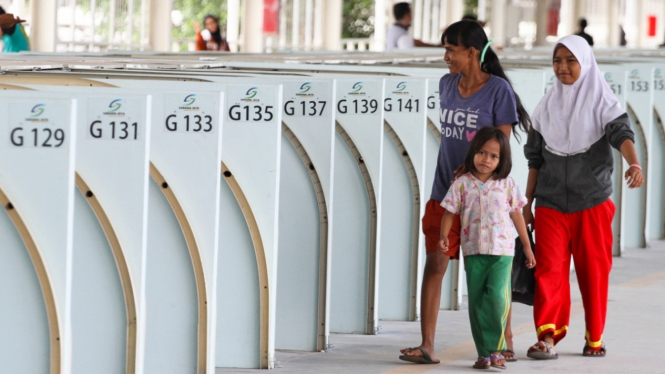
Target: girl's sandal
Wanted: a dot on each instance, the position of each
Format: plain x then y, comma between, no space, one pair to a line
494,357
482,363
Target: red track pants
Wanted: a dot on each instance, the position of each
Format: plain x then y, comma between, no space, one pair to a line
587,236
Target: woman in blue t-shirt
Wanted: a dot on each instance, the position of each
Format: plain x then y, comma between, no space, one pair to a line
474,95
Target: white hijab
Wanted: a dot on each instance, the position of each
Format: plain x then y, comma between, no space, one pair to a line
571,118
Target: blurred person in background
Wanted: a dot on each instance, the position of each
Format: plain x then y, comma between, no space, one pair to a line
583,24
210,38
398,36
14,37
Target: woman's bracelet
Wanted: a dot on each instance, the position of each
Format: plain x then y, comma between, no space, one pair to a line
636,166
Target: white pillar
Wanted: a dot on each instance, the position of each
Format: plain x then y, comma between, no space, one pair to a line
333,25
252,26
233,24
435,32
309,18
580,12
43,25
631,25
160,25
282,24
318,24
455,11
427,20
417,18
567,20
612,22
380,25
482,10
498,23
541,22
295,25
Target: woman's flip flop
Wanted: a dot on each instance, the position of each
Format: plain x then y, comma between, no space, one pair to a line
540,355
513,359
602,351
425,359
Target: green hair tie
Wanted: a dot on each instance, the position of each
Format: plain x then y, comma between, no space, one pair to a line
482,56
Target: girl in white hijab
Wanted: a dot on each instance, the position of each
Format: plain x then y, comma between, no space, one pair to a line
575,125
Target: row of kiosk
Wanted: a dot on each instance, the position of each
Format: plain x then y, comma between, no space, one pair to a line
174,213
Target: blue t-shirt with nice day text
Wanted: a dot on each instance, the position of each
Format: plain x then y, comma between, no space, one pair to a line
460,118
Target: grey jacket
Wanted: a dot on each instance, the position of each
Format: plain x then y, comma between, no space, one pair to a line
576,182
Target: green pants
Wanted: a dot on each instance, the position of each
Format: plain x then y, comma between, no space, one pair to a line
488,281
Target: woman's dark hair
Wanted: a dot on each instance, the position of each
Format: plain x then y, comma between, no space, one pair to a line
471,34
483,136
217,35
7,30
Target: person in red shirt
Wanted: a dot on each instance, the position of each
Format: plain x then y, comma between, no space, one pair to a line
210,38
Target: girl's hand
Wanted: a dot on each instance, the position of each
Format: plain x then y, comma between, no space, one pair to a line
530,258
443,245
634,178
459,172
528,216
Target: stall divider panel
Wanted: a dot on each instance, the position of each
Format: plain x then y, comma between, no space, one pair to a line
186,154
431,161
112,174
251,151
403,242
360,121
37,184
639,98
616,78
657,200
303,297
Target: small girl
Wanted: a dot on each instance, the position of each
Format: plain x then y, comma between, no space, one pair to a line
487,199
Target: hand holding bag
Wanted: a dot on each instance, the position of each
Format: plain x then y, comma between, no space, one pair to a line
523,279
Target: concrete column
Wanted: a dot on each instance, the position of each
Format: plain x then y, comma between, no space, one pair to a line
427,20
482,10
541,22
643,10
295,25
435,31
160,25
580,12
309,18
333,25
498,23
417,18
18,9
380,25
43,25
631,26
252,26
567,18
455,11
282,24
233,24
612,22
318,24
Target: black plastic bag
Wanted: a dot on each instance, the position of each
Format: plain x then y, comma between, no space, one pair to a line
523,280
